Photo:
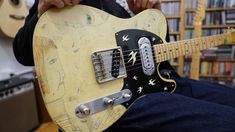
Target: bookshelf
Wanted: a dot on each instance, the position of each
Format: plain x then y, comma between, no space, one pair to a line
174,11
216,64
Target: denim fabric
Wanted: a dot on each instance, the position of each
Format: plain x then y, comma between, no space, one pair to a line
196,106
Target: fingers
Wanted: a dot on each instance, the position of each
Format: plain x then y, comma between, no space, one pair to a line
157,5
44,5
139,5
67,2
57,3
75,2
71,2
133,6
131,3
150,4
144,4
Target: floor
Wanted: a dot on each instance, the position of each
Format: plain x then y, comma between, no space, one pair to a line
47,127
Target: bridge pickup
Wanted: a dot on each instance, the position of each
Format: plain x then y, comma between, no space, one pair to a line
108,65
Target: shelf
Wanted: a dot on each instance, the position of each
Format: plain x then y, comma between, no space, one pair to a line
213,60
212,9
211,26
218,60
165,1
217,76
172,17
174,33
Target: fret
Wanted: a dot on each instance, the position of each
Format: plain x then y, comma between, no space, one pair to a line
160,50
179,48
175,51
167,52
221,39
171,49
186,47
161,57
182,48
192,46
157,53
196,44
163,52
199,44
212,42
204,41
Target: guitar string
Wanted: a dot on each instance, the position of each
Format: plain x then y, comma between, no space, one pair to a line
129,65
108,57
182,41
195,40
164,53
154,57
126,70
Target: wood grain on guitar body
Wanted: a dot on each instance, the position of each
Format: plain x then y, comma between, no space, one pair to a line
13,14
92,66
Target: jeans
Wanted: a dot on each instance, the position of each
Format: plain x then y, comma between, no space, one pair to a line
195,106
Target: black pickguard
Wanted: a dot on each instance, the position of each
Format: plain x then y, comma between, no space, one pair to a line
136,81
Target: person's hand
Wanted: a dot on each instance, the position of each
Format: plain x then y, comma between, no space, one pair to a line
44,5
136,6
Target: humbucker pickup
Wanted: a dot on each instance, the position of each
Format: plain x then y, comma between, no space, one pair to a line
108,65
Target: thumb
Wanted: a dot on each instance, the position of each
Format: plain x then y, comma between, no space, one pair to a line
43,7
131,3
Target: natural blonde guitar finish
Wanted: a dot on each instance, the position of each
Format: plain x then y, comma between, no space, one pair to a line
63,43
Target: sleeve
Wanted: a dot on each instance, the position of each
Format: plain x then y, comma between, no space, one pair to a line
22,43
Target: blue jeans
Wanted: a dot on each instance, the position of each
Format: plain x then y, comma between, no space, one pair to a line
196,106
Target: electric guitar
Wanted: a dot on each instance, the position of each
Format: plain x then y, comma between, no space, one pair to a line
92,66
13,14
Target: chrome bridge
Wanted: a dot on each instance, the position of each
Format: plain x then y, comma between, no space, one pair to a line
108,65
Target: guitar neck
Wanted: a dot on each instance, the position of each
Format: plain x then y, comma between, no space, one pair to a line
172,50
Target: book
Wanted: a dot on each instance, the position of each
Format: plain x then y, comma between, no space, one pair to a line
215,68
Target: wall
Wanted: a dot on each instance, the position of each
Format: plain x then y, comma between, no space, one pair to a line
8,63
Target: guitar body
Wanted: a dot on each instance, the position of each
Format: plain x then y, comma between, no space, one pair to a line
65,42
13,14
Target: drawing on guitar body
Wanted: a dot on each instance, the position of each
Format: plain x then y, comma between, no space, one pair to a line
13,14
92,66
